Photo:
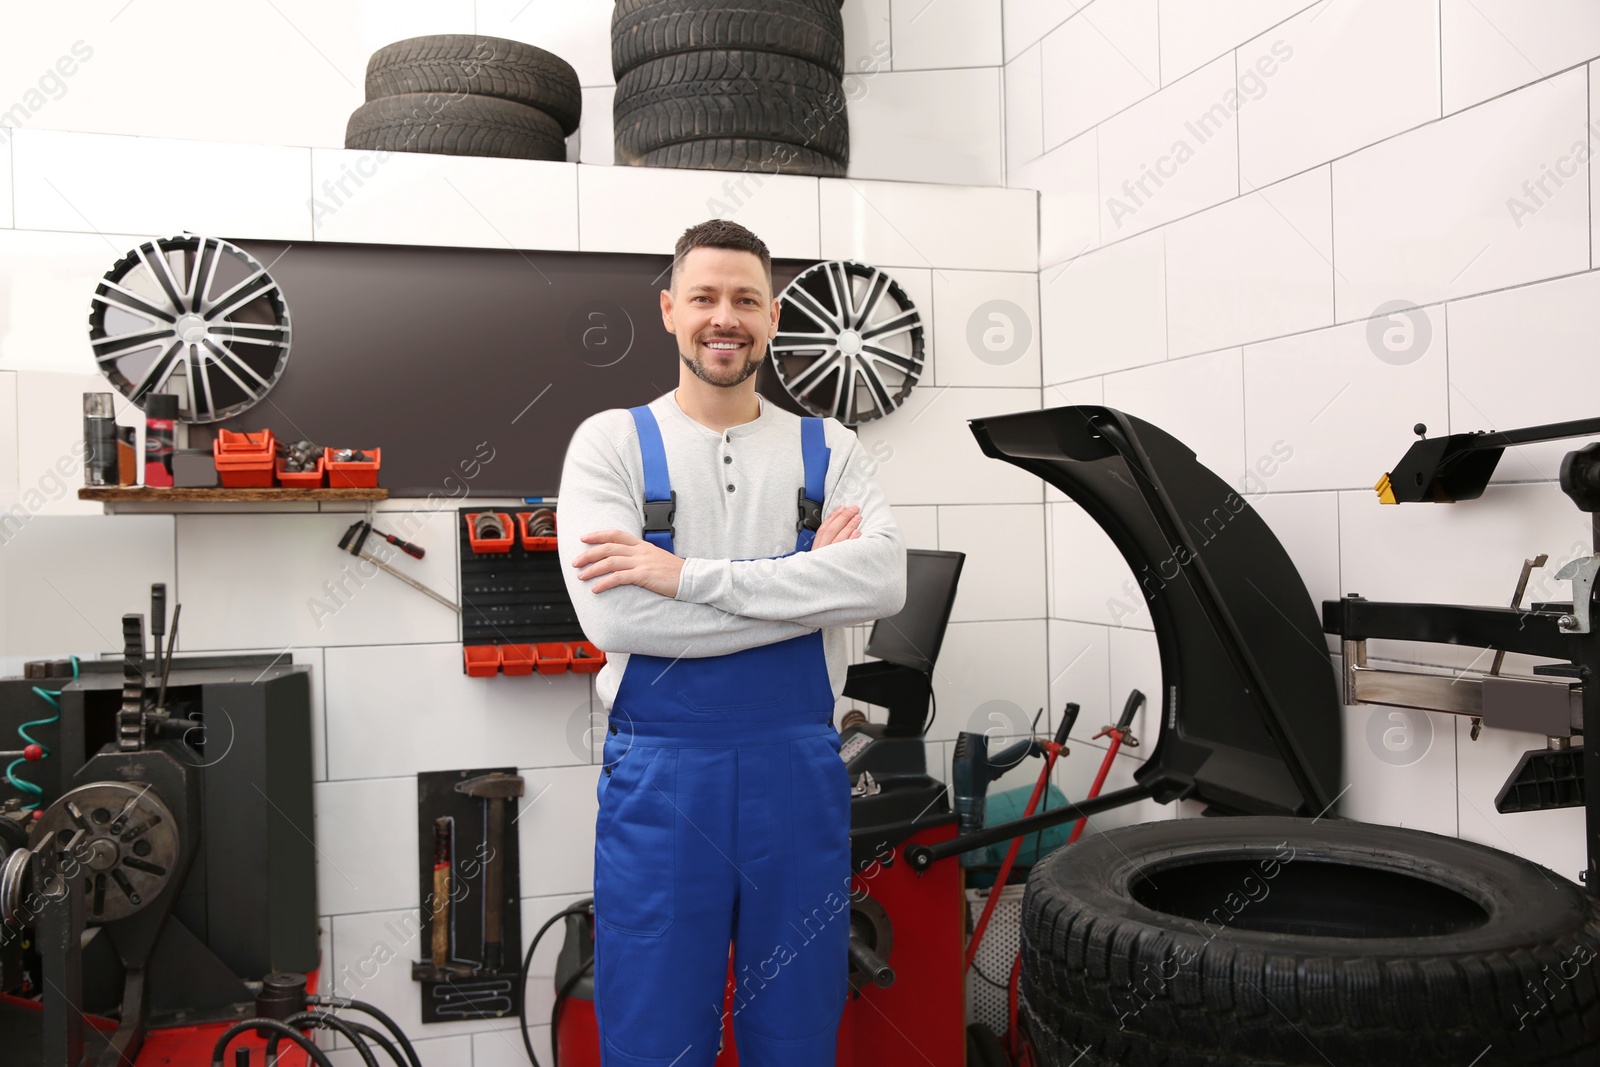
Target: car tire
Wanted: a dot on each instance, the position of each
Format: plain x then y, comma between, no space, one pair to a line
483,66
1223,941
642,30
455,125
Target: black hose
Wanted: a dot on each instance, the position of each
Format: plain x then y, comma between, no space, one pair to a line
362,1006
327,1020
522,982
220,1049
373,1034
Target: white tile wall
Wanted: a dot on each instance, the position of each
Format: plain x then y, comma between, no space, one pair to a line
1400,767
928,125
1345,412
957,227
1194,33
8,439
1098,63
281,580
1171,154
936,460
867,36
61,182
1024,113
1028,21
555,825
919,526
781,208
1256,267
1080,673
1136,664
988,668
5,180
1090,580
436,718
1000,577
1514,359
366,848
1068,180
1552,838
1106,310
59,600
989,321
595,136
931,34
1336,77
1490,46
1447,229
1199,400
1307,525
413,198
579,31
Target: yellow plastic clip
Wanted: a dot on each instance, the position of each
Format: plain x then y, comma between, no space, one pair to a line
1385,491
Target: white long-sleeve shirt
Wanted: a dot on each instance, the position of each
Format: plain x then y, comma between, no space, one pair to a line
737,504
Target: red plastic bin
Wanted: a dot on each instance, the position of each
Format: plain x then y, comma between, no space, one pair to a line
482,661
485,545
531,543
300,479
349,475
552,657
244,460
516,659
591,661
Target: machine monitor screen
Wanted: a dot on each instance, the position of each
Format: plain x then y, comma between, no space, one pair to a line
912,638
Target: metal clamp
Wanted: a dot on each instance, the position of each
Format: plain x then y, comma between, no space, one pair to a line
1581,572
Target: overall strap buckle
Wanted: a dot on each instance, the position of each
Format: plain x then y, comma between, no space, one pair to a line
658,514
810,514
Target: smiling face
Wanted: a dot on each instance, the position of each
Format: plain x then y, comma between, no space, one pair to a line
722,312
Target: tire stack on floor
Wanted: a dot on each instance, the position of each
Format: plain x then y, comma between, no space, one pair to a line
743,85
464,95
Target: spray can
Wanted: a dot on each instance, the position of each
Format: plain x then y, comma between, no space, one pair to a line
160,427
99,440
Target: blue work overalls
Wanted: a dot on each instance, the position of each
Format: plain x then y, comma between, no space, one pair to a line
724,815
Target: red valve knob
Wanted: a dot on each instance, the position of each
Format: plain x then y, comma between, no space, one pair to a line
33,753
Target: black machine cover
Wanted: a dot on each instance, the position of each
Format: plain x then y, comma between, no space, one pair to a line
1250,715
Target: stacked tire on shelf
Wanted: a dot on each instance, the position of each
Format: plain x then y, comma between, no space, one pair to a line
730,85
464,95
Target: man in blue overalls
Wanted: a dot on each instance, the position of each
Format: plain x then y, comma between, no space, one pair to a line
698,557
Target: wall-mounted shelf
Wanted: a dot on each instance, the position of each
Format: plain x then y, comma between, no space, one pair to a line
109,494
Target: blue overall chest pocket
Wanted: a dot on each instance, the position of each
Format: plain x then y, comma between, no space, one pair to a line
635,887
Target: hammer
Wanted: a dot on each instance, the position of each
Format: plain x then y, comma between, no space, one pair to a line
494,788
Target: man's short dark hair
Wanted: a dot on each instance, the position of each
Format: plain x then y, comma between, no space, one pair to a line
719,233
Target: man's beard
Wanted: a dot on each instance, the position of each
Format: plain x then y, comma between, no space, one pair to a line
727,378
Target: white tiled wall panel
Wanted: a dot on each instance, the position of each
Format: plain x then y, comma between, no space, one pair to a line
1027,21
1000,578
595,136
1552,838
1099,62
867,36
1460,221
280,580
929,455
5,180
1091,582
1105,311
1198,400
1343,402
1171,154
1068,180
1400,768
58,600
1338,76
62,181
781,208
366,850
898,222
1307,525
985,669
1259,266
1490,46
1193,32
940,126
1080,673
8,439
413,198
989,324
1515,357
931,34
579,31
1024,112
436,718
